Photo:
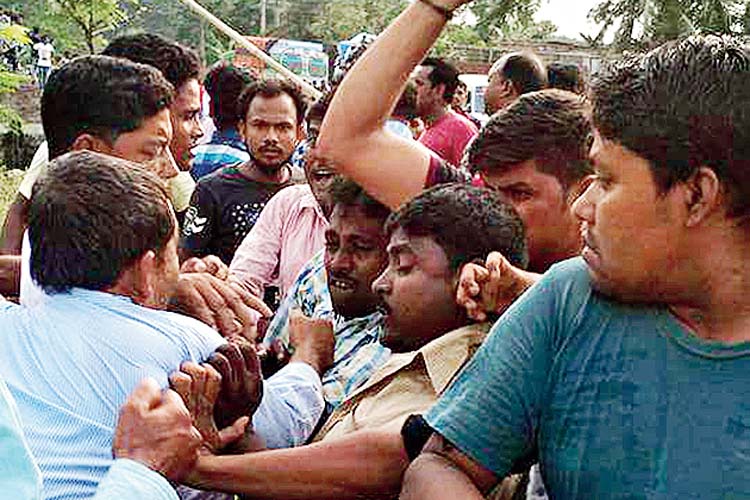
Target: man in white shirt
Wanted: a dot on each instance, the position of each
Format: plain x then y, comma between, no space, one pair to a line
44,50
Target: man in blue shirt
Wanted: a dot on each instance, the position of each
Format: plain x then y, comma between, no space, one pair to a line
224,83
154,439
108,269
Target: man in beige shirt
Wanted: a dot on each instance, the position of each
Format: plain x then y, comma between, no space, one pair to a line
361,451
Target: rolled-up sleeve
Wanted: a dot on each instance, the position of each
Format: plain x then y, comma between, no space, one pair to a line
291,407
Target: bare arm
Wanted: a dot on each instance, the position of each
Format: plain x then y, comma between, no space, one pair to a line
15,224
364,464
390,168
460,476
10,275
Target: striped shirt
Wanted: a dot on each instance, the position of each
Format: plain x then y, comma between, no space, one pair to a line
358,352
225,148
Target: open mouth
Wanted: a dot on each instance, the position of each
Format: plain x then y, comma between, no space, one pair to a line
343,285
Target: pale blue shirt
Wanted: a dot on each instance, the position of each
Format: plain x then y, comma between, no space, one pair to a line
71,361
20,478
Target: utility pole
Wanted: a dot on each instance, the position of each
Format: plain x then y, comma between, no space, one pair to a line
263,6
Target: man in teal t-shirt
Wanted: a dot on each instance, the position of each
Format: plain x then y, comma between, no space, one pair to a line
624,374
614,400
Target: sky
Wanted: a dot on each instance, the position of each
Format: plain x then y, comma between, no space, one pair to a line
570,16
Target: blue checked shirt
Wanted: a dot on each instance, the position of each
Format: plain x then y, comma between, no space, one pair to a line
357,352
225,148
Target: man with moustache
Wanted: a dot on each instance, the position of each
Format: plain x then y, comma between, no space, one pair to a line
226,204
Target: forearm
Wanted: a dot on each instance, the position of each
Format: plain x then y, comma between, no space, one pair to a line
390,168
363,464
10,275
16,221
420,480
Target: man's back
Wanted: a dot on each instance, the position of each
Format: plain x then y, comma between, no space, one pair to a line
619,400
70,363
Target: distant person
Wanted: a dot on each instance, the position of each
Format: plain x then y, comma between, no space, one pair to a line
447,133
461,101
566,77
227,203
511,76
44,50
224,83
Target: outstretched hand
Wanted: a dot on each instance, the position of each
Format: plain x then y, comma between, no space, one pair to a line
491,288
224,305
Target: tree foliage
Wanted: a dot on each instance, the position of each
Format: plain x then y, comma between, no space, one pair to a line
649,22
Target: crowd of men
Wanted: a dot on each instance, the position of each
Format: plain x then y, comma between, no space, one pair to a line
551,304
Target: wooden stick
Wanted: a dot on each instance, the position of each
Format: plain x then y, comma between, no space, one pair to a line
253,49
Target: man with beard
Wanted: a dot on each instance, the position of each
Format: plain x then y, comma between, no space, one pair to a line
336,285
226,204
447,132
361,453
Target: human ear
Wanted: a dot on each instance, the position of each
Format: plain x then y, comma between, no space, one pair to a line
703,195
90,142
144,278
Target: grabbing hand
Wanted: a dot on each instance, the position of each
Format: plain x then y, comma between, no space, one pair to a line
199,386
241,380
491,288
224,305
210,264
156,430
312,340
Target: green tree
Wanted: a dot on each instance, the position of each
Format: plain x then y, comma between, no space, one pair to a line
94,18
649,22
499,19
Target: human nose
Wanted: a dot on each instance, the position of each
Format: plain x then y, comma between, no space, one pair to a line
341,260
382,284
583,206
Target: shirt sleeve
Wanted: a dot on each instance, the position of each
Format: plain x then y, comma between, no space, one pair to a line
491,412
291,407
198,228
130,479
257,258
442,172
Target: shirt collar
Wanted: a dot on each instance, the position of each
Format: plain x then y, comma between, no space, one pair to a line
444,356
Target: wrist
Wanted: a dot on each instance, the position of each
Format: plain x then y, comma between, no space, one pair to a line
438,8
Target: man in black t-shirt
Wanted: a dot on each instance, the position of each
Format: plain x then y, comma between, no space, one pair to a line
226,204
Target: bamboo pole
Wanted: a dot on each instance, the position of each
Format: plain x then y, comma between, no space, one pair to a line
256,51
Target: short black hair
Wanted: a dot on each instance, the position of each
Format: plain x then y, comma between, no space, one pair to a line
91,216
467,222
269,88
347,192
551,127
525,71
683,106
566,77
102,96
442,73
224,83
177,62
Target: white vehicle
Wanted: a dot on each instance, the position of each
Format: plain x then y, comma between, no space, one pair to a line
477,84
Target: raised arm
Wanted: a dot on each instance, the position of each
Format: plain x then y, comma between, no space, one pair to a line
390,168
